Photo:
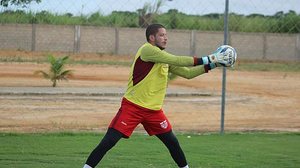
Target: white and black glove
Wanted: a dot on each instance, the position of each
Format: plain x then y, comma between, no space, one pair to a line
224,55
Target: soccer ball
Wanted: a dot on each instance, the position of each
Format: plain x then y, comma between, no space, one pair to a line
227,56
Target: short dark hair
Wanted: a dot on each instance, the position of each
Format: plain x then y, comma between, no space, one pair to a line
153,29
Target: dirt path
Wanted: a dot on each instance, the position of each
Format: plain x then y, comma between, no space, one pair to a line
255,101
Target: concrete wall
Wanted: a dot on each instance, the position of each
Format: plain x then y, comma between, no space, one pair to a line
14,36
125,41
54,38
97,39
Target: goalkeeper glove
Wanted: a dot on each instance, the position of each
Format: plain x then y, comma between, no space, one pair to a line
225,55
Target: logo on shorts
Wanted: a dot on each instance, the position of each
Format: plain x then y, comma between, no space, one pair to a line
164,124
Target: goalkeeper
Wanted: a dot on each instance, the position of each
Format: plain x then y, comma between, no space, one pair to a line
143,100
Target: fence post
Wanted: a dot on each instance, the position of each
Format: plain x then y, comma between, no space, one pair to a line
116,52
264,38
193,43
77,39
33,37
297,47
224,69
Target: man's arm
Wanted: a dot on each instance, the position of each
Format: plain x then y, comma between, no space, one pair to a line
153,54
224,55
191,72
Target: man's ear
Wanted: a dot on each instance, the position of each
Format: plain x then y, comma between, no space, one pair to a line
152,38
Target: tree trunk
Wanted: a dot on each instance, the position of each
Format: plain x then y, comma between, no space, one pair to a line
54,83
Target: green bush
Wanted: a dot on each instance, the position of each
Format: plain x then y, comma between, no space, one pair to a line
278,23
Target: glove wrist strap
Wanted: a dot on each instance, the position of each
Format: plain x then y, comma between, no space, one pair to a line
209,67
201,61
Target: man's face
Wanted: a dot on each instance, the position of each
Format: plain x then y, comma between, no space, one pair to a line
160,38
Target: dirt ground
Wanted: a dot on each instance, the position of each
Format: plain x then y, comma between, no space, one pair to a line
263,101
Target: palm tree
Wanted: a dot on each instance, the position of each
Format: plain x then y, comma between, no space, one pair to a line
56,71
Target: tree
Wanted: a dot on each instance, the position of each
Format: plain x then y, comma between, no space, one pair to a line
279,14
6,3
174,21
56,71
148,12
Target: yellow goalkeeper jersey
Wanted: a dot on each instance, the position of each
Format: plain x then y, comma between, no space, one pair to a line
148,78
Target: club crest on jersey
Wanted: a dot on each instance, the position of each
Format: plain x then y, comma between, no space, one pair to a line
164,124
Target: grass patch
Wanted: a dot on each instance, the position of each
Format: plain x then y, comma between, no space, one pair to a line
268,66
209,151
20,59
81,62
243,65
93,62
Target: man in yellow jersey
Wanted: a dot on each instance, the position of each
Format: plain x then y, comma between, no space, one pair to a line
143,100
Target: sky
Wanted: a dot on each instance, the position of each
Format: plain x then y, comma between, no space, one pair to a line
87,7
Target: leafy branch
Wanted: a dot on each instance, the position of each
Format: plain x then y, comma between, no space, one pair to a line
24,3
57,71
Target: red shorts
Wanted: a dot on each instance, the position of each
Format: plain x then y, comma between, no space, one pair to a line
130,115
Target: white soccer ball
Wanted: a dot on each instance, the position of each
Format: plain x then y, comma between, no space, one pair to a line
229,55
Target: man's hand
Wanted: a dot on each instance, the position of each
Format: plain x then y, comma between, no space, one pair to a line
224,55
